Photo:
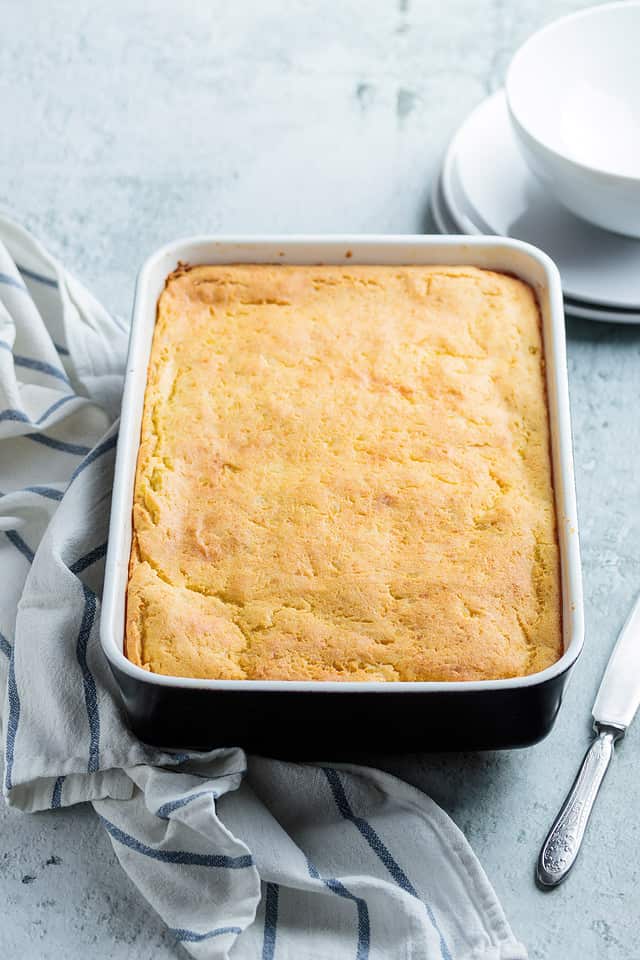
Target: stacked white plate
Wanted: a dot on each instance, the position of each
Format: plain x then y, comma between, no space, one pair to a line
485,187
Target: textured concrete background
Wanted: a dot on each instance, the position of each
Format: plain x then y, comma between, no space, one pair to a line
127,124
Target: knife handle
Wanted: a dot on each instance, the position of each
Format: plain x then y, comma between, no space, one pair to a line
562,845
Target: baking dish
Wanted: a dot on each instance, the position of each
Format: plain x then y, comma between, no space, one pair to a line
305,718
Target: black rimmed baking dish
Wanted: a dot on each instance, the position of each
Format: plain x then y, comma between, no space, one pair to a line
313,718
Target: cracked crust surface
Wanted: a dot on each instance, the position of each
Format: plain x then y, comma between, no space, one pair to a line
344,474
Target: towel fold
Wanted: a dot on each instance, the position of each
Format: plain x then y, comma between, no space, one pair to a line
241,856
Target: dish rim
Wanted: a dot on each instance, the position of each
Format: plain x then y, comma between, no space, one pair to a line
282,249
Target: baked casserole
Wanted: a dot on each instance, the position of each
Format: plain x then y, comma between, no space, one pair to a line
344,474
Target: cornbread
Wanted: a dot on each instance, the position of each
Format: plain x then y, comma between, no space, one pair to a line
344,474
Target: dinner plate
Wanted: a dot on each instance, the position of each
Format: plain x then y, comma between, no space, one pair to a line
488,189
447,223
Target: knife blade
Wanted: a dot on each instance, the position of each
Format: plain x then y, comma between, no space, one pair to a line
619,694
615,706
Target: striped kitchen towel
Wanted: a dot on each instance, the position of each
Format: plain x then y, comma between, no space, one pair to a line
241,856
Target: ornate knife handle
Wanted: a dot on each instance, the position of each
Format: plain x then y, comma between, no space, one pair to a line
562,845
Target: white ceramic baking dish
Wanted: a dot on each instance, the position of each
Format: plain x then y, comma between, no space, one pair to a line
304,717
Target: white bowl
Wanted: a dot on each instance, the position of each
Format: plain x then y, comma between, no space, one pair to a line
573,91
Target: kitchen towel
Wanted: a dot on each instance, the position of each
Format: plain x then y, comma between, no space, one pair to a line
242,857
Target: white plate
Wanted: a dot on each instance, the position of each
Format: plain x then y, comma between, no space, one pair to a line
486,182
589,312
446,223
441,216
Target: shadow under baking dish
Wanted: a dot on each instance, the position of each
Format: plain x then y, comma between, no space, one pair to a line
312,718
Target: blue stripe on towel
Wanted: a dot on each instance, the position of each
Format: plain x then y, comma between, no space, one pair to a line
62,445
270,920
5,647
16,415
21,417
19,544
96,554
33,275
56,405
12,282
13,719
176,856
90,695
364,928
93,455
380,849
190,936
49,492
41,366
56,796
168,808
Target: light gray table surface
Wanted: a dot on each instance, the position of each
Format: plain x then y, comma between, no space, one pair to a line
127,124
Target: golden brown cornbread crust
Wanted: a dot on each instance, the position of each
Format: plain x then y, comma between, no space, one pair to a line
344,474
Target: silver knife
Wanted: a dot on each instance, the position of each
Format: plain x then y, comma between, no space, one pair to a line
615,707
